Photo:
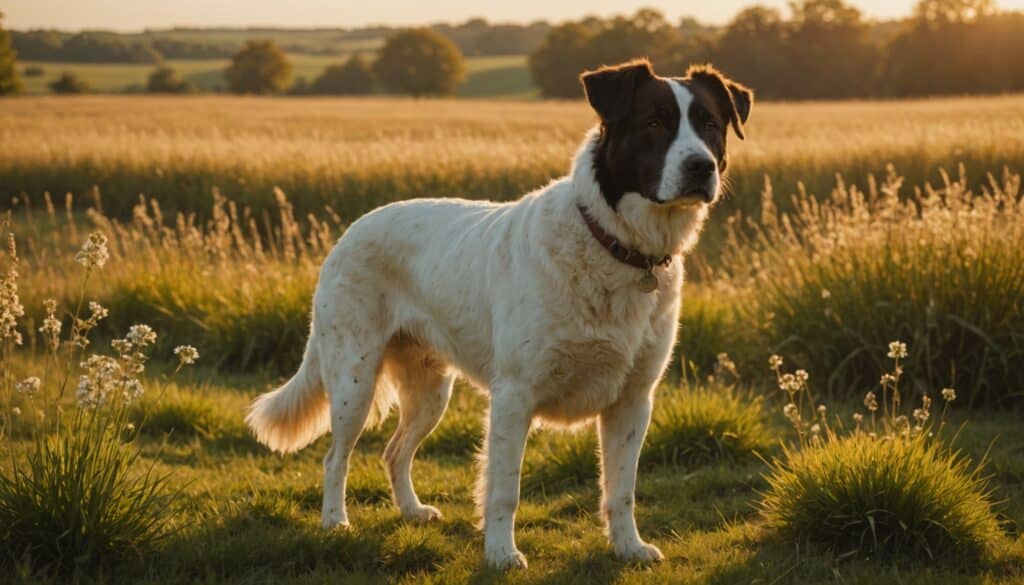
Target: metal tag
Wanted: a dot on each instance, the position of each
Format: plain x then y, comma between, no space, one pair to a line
648,282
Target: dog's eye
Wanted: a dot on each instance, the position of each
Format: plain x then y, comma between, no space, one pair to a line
654,123
712,124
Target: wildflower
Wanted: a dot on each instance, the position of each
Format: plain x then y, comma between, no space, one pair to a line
16,411
97,311
815,429
888,380
775,362
28,386
920,415
94,251
789,383
822,409
51,324
132,389
858,418
826,294
926,402
897,350
802,376
948,394
871,401
141,335
130,427
10,305
121,346
791,412
187,355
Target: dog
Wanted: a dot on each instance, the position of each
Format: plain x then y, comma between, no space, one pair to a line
562,306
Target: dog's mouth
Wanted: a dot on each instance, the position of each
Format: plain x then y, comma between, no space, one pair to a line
692,198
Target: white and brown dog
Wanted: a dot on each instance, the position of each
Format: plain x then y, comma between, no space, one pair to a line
563,305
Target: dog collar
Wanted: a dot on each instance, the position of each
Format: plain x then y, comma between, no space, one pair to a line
626,255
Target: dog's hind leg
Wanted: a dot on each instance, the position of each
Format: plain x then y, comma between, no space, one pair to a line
350,358
424,387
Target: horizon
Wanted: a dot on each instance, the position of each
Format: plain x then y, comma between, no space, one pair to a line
134,17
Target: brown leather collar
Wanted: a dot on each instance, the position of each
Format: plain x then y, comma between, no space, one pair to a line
620,252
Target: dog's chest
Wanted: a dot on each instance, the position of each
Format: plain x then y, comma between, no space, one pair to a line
580,375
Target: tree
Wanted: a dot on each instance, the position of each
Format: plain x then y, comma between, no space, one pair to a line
166,80
561,57
949,11
259,67
9,80
354,77
753,48
829,54
419,62
68,82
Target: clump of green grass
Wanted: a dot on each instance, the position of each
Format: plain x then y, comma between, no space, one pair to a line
700,425
831,282
691,426
414,549
178,415
868,497
890,488
459,435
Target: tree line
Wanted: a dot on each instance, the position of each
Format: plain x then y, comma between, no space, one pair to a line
825,49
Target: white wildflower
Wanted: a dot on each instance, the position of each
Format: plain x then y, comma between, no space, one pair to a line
28,386
948,394
897,350
94,251
187,355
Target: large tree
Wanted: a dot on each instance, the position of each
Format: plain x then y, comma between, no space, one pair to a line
9,80
166,80
259,67
419,62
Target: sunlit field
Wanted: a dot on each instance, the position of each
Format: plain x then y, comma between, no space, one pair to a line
216,213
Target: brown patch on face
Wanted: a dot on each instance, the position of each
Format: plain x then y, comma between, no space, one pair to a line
639,120
717,103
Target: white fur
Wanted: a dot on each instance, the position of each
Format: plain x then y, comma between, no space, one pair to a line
520,299
685,144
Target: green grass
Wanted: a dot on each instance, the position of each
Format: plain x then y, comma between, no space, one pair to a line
486,77
252,516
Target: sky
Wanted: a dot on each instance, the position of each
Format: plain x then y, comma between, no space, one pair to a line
133,15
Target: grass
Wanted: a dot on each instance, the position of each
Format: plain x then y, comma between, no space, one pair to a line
485,76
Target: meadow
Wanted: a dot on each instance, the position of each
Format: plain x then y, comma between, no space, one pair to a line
486,77
218,211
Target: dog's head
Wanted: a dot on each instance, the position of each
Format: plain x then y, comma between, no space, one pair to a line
663,139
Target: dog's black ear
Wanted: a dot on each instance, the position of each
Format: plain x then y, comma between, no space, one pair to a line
733,99
610,89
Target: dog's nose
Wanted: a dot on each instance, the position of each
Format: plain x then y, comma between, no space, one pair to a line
698,167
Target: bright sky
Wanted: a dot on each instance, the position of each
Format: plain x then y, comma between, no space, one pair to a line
130,15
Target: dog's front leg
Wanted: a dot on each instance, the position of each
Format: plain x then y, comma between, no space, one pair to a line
623,426
510,418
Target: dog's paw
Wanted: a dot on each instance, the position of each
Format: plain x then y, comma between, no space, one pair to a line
421,514
331,521
643,553
505,560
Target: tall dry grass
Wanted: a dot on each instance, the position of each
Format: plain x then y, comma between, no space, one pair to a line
355,154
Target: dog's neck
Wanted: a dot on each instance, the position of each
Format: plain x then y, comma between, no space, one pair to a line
650,228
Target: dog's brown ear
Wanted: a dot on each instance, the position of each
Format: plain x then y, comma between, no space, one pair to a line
733,99
610,89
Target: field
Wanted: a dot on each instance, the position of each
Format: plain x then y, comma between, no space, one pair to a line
791,264
486,77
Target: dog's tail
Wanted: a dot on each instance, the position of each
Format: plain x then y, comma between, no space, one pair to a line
296,414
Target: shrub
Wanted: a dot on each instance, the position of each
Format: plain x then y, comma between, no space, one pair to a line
354,77
69,83
829,283
166,80
34,71
890,488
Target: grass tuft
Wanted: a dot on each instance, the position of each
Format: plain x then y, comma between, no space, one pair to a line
888,498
